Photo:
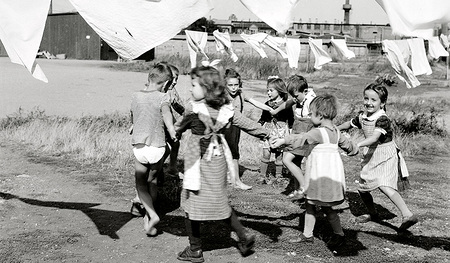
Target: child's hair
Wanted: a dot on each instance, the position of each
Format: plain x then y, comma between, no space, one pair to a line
278,84
231,73
380,89
296,83
325,105
209,78
160,73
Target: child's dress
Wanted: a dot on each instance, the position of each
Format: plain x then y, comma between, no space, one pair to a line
207,158
382,162
324,175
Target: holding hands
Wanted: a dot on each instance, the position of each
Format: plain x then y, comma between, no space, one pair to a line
275,142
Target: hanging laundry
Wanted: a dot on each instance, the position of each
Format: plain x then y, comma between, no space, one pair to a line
444,40
341,47
276,13
293,48
395,57
21,31
223,44
416,17
255,41
276,43
403,46
133,27
436,49
419,60
320,55
196,42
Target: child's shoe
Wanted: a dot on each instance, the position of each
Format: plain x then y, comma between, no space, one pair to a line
408,222
270,179
302,239
367,218
297,194
193,256
336,241
137,209
246,245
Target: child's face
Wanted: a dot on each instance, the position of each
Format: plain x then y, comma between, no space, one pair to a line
232,86
300,96
272,93
372,102
316,119
197,90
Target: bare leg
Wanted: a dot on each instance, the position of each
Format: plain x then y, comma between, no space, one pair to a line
334,220
288,160
238,183
310,220
173,161
265,162
397,199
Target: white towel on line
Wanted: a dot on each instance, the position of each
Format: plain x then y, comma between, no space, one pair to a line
255,41
444,40
133,27
416,17
22,25
196,41
276,43
320,55
223,44
419,60
342,49
436,49
395,57
293,48
276,13
403,46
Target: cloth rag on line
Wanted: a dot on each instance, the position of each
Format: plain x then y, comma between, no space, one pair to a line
403,46
320,55
395,57
293,48
341,48
21,31
223,44
255,41
276,43
196,42
444,40
419,60
436,49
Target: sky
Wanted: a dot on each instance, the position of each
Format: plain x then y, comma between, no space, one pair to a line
363,11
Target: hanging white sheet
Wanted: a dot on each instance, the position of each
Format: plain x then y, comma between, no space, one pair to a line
419,60
276,13
320,55
436,49
133,27
196,42
395,57
342,49
223,44
416,17
255,41
22,25
293,48
403,46
276,43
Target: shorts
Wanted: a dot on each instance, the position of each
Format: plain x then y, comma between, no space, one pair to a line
148,154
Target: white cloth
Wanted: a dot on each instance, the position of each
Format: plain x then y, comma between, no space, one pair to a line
416,17
293,48
255,41
276,13
342,49
444,40
419,60
22,25
395,57
223,44
276,43
320,55
403,46
196,42
436,49
133,27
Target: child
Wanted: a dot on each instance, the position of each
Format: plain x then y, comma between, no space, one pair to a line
324,175
233,134
204,195
382,163
301,98
150,111
278,125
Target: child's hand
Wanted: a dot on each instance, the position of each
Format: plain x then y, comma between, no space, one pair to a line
173,135
273,112
276,142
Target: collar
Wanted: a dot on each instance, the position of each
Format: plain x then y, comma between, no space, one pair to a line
374,116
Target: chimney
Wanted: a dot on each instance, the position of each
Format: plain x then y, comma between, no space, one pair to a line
347,7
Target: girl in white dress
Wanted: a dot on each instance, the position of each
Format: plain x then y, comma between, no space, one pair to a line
324,175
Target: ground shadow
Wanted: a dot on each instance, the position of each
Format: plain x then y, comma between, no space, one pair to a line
107,222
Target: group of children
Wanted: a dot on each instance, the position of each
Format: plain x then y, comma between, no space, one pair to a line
297,132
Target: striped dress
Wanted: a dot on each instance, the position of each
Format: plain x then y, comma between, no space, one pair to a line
211,201
382,162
